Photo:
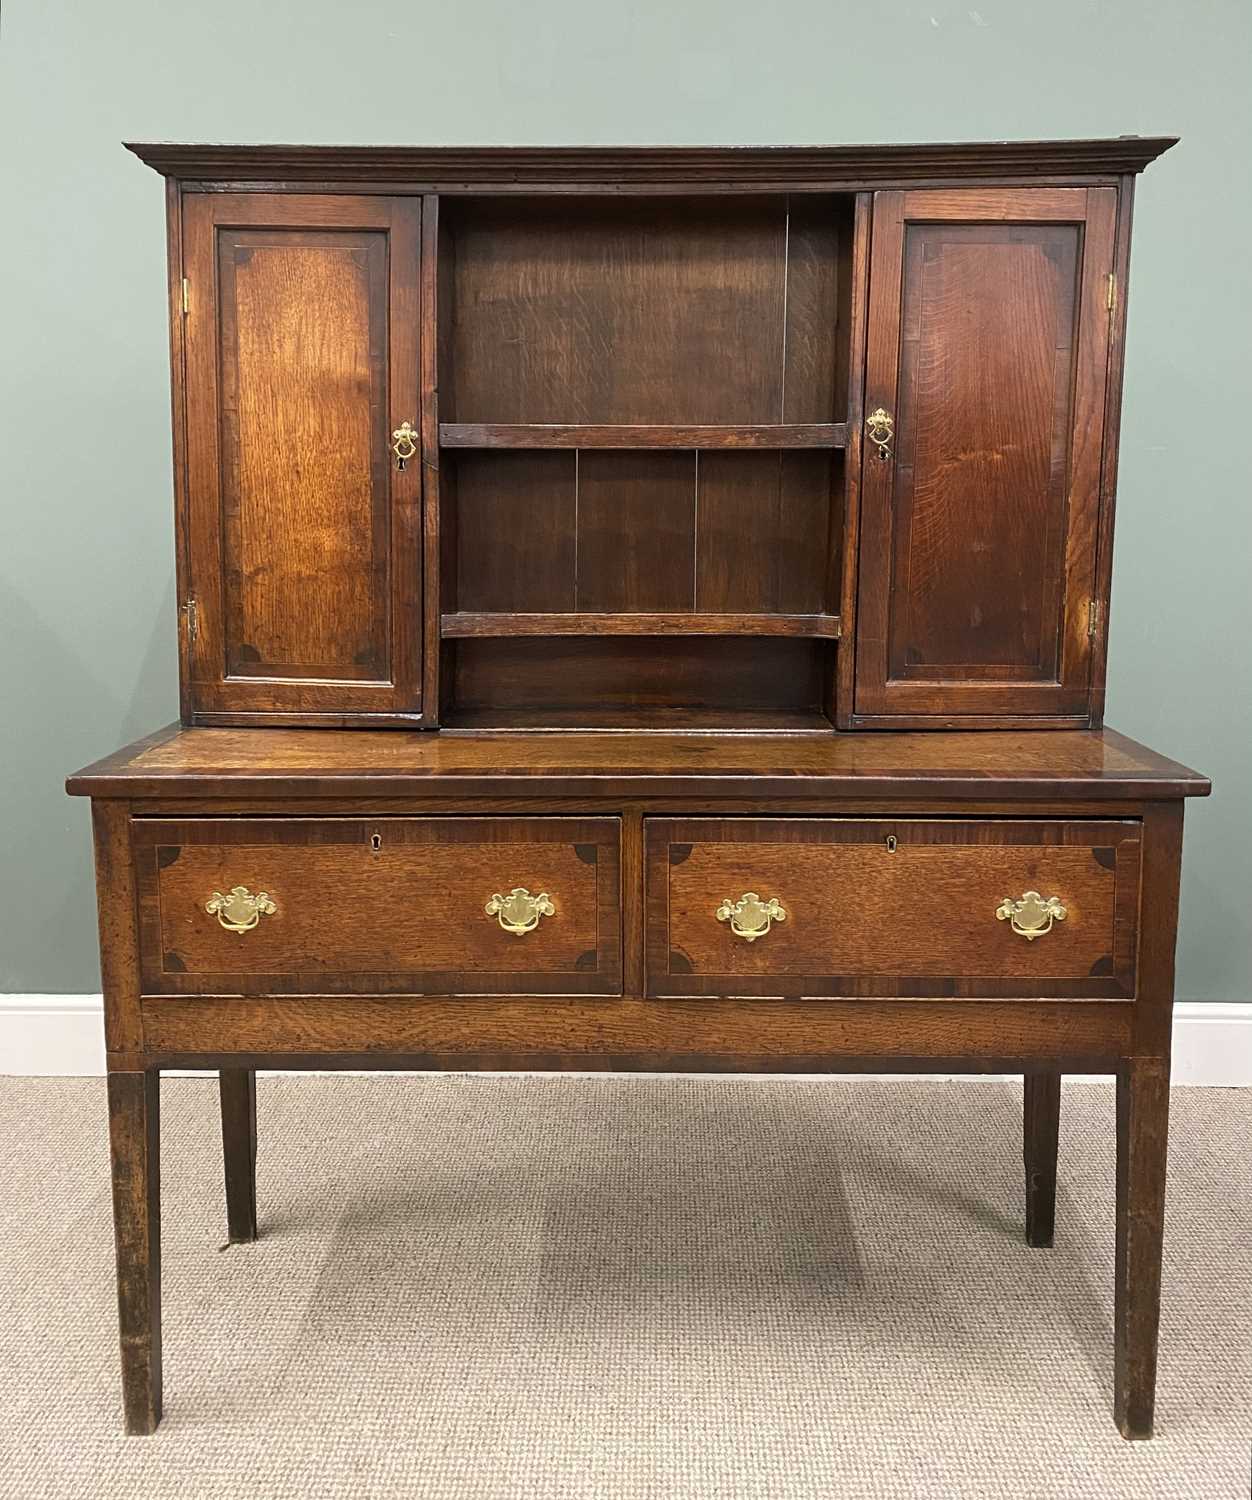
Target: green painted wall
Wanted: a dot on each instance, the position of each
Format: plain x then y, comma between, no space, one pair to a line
87,610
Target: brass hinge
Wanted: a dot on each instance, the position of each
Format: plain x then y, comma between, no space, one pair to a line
192,615
1093,618
186,296
1110,301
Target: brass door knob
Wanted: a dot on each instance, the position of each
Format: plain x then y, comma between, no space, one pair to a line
750,917
519,911
239,910
1032,916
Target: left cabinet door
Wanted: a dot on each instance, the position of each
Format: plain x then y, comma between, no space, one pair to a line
302,533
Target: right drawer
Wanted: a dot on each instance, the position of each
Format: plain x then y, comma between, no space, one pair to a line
997,908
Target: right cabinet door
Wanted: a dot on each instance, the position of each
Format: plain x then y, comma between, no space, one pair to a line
986,360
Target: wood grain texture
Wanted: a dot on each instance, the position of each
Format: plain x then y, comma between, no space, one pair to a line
855,309
988,336
1162,873
641,542
1041,1118
1142,1139
812,351
439,533
670,682
611,313
636,532
763,532
178,437
981,458
1112,433
1084,765
517,531
303,540
632,827
306,521
692,1035
863,918
118,932
621,435
635,711
387,904
488,625
237,1100
135,1152
1041,205
1079,629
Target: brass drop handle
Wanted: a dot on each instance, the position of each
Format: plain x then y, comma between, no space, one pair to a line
239,910
519,911
750,917
880,425
403,444
1032,916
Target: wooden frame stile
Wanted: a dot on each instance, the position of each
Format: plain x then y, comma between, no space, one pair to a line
178,429
840,711
1112,435
407,341
438,515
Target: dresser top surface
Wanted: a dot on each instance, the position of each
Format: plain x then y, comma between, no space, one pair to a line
327,762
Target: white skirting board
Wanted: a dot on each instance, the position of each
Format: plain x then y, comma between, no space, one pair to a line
63,1035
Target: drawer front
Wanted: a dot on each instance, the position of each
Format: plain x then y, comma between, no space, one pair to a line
400,905
892,907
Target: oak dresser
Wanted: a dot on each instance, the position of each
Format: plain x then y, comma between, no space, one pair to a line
643,609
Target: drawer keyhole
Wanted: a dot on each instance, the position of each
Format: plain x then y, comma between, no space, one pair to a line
892,843
376,842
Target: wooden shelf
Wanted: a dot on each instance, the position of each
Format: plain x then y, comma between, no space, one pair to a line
465,625
590,435
618,719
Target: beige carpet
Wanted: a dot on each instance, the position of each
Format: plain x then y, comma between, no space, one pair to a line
621,1288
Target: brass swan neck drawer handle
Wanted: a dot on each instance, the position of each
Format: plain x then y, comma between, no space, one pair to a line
1032,916
519,911
750,917
404,444
239,910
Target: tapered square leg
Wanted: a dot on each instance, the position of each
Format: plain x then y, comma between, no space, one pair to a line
1041,1120
237,1088
1142,1135
134,1139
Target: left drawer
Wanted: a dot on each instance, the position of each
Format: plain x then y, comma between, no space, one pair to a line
490,906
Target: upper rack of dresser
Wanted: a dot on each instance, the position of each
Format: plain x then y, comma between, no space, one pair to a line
647,437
